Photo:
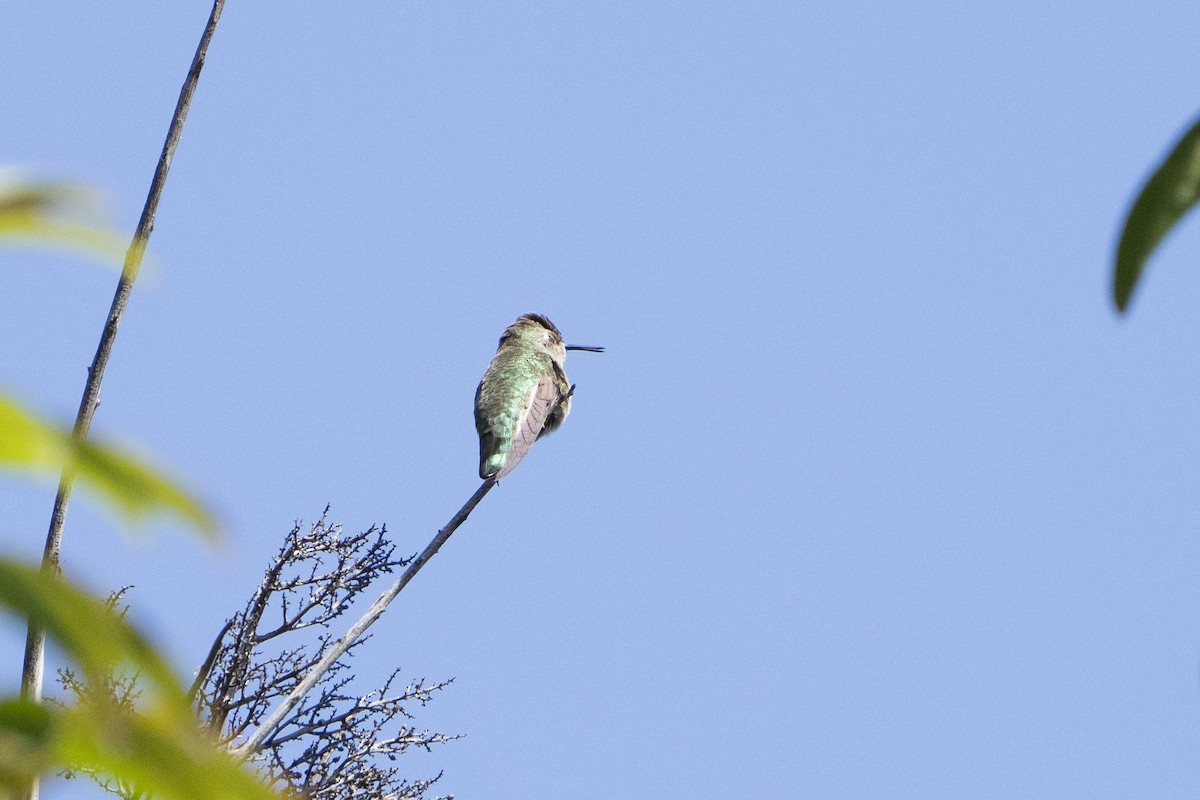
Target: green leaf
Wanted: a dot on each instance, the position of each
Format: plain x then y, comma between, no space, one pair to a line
86,628
159,753
150,751
55,214
137,490
161,749
25,744
1169,194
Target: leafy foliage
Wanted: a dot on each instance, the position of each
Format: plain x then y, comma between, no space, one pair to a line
157,747
58,214
137,490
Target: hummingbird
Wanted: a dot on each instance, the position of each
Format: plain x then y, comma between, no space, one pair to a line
524,393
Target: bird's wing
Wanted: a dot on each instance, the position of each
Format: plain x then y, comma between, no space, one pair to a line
542,400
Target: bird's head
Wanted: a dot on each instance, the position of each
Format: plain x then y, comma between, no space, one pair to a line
539,332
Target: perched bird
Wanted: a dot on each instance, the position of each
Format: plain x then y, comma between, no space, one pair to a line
524,394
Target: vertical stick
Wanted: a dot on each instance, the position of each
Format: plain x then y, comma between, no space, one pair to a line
35,643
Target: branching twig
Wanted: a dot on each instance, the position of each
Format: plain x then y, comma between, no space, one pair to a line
335,743
34,665
313,580
254,742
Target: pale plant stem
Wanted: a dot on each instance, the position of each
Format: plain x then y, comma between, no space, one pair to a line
34,664
336,650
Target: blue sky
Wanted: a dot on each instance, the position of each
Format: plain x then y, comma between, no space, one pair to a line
872,495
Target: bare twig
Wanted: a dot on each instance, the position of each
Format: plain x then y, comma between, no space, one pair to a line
254,742
207,667
34,665
336,743
311,582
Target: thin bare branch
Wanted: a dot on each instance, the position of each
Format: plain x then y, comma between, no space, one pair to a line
34,664
33,668
206,668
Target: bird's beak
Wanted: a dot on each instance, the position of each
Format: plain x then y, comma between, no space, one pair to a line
585,348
